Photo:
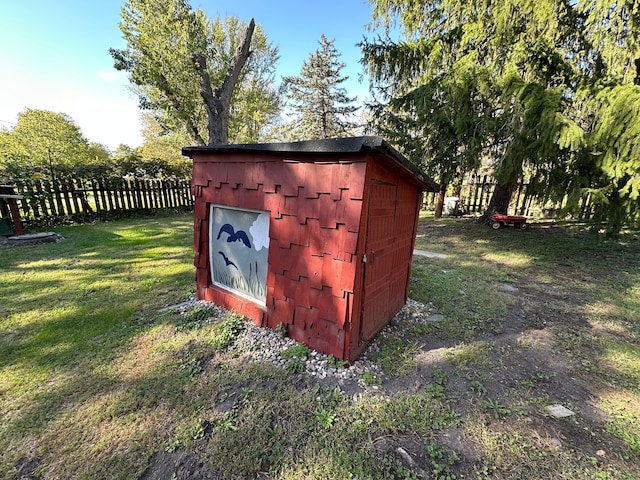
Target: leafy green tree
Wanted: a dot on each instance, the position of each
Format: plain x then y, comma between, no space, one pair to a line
150,161
439,125
161,151
258,104
6,143
609,110
611,36
490,79
320,106
545,90
99,163
190,71
45,144
127,162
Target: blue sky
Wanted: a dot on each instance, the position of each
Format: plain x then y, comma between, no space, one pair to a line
54,55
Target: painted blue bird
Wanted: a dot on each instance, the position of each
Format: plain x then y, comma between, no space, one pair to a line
227,261
234,236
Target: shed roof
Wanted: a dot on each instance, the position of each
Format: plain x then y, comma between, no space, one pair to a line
348,145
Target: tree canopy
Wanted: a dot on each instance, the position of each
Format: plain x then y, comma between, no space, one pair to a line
45,144
319,104
196,74
527,86
50,146
161,153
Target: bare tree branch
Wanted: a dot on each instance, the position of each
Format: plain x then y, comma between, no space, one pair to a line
217,101
242,54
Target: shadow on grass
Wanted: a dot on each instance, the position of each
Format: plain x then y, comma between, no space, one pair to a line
575,272
569,276
71,308
95,381
574,316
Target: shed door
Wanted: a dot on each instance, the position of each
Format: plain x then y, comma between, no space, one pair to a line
380,296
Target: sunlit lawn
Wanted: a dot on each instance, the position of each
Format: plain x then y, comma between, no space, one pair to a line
69,313
95,378
586,286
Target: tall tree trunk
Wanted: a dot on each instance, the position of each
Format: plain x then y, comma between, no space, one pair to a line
440,200
218,101
457,187
499,202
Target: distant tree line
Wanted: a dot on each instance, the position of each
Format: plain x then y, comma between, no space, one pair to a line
199,81
48,145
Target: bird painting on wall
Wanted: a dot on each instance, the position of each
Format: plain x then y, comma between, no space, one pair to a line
227,261
234,236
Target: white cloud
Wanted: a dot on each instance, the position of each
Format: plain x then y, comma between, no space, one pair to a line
260,232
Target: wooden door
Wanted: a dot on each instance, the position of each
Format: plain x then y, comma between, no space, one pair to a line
379,259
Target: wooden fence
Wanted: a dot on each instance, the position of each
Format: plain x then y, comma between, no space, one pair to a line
475,194
45,199
75,198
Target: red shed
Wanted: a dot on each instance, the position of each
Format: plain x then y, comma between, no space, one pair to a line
316,236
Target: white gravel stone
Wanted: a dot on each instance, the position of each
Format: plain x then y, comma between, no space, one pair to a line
265,345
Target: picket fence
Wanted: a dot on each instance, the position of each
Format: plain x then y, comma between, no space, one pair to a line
76,198
475,193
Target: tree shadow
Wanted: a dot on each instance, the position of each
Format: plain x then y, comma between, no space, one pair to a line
70,309
574,307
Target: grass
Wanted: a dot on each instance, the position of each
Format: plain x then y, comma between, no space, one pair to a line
470,306
464,355
80,350
579,287
96,378
396,355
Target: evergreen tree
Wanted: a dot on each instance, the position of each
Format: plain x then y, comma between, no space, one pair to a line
546,89
487,79
609,97
320,106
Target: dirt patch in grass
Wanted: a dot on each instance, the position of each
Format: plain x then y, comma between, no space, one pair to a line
179,465
548,349
498,370
26,467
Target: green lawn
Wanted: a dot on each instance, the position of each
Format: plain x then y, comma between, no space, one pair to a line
95,378
72,320
574,319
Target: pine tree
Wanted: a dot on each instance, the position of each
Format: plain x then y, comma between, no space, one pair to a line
610,108
320,106
548,90
487,79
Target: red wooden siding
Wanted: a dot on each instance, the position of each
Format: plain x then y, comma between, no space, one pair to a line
315,215
389,224
326,211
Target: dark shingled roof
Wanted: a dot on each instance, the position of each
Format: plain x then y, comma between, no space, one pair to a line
326,146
